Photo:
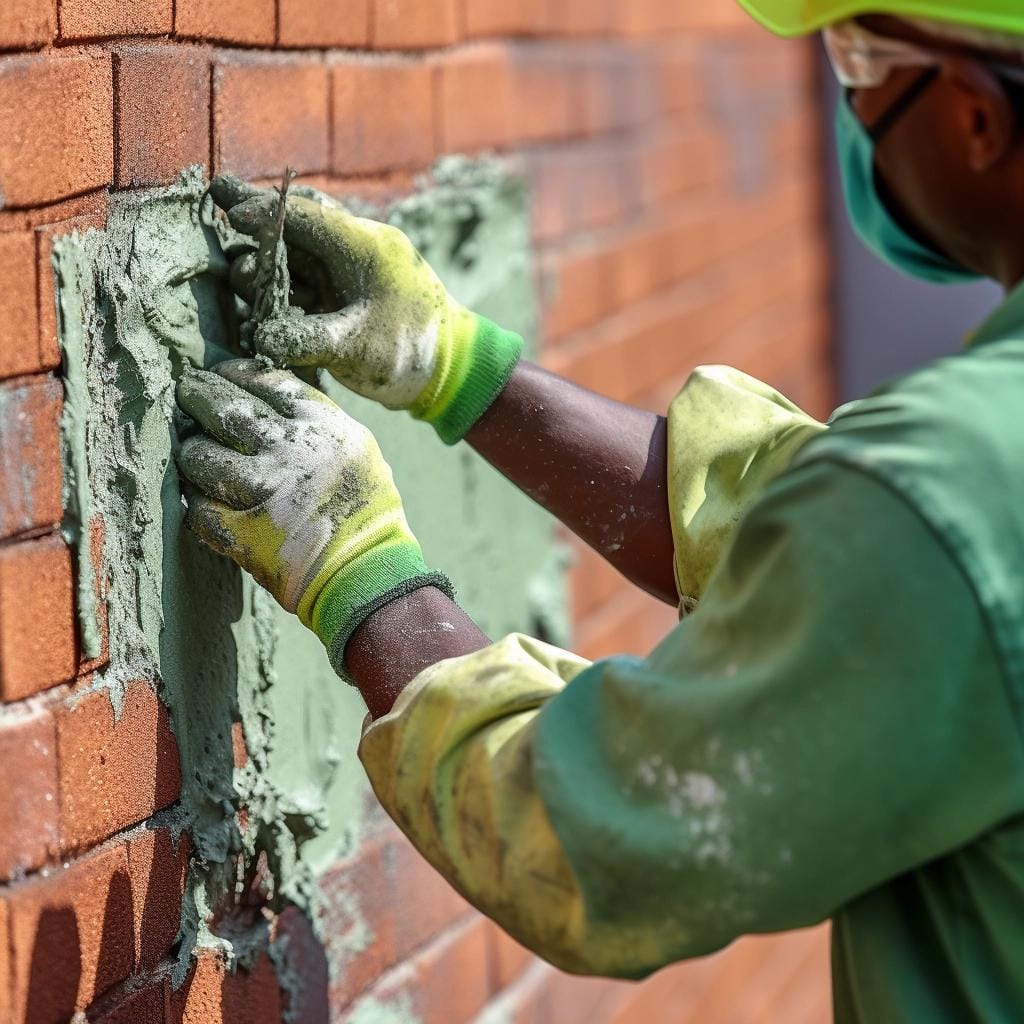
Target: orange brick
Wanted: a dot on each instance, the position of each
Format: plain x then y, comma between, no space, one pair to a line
542,95
508,958
144,1006
426,980
211,995
19,333
475,99
251,22
114,773
158,867
305,959
383,115
70,936
428,903
30,460
399,25
57,114
579,290
95,19
93,215
581,17
322,23
6,1007
269,113
28,799
163,113
26,24
505,17
38,628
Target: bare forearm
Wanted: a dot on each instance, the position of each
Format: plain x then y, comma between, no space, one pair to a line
400,640
597,465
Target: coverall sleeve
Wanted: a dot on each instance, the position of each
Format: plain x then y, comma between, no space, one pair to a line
831,716
729,436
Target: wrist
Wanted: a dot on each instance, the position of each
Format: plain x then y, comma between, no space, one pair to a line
473,369
362,586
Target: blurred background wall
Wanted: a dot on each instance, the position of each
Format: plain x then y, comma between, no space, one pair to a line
683,212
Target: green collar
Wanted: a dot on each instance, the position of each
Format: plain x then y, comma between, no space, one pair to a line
1006,322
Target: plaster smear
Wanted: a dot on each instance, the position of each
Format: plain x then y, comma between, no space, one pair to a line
137,303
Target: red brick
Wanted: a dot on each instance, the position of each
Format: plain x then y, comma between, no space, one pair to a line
508,958
543,97
93,215
28,799
38,628
269,113
114,773
158,866
19,335
305,960
400,25
6,1007
251,22
30,460
163,113
145,1006
428,903
26,23
505,17
579,284
70,936
322,23
475,99
357,921
57,114
211,995
383,114
95,19
427,982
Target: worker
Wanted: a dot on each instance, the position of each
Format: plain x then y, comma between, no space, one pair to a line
834,729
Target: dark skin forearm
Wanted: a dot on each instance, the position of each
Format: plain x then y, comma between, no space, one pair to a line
400,640
597,465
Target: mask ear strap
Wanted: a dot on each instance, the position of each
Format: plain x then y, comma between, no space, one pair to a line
904,102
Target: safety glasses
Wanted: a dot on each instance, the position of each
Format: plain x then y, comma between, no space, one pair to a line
863,60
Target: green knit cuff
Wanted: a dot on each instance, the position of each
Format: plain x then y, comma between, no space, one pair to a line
374,579
492,357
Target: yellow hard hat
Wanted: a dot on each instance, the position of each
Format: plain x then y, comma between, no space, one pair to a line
799,17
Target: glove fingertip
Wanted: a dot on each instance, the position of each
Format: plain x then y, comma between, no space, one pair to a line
228,190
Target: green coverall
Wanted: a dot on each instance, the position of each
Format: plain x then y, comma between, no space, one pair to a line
832,731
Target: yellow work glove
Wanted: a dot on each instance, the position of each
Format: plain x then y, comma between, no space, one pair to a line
371,311
298,494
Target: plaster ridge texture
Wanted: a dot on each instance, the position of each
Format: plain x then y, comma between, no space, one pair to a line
138,303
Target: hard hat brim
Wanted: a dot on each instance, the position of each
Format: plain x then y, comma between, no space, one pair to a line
801,17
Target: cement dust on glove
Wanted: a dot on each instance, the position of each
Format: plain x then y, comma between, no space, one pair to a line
376,316
298,494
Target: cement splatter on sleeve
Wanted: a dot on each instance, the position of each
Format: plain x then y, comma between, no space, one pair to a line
755,774
729,437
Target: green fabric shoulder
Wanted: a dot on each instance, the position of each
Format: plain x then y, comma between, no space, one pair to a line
949,439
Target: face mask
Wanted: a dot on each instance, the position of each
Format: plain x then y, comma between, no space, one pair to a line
871,218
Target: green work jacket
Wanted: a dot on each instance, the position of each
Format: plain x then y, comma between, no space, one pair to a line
832,731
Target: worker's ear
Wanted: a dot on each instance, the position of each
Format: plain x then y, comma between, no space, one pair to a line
983,111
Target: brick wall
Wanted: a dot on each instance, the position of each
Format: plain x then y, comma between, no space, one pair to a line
672,150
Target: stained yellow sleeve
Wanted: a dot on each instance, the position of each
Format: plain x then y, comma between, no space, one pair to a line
453,766
454,761
729,436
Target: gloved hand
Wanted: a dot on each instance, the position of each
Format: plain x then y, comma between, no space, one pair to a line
297,493
376,315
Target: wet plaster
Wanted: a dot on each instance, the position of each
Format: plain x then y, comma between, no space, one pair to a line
137,303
